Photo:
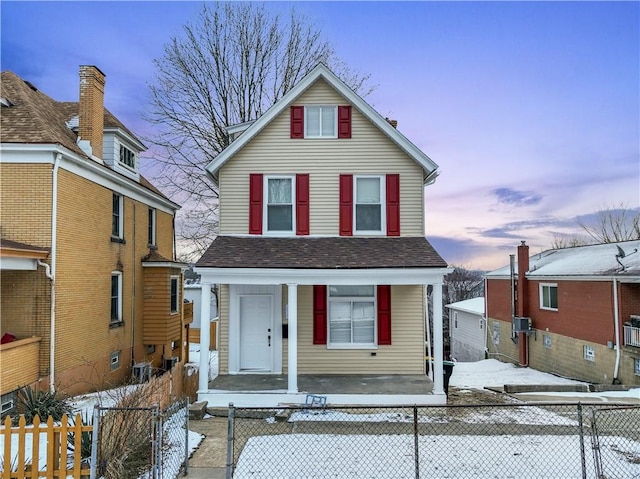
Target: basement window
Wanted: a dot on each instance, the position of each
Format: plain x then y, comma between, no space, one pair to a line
546,341
115,360
636,367
589,353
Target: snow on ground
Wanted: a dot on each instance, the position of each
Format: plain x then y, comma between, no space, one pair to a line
493,373
506,456
194,357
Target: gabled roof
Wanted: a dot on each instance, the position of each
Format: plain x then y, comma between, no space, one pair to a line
473,306
586,261
36,118
322,72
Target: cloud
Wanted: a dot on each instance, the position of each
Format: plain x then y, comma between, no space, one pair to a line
513,197
510,230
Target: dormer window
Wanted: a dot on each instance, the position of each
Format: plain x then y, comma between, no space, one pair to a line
127,157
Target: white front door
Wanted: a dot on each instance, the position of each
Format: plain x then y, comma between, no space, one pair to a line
256,332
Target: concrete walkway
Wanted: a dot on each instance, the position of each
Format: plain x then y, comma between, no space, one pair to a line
209,460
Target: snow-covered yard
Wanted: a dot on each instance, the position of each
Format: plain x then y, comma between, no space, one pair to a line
446,454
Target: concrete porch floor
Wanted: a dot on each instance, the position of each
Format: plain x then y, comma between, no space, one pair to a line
322,384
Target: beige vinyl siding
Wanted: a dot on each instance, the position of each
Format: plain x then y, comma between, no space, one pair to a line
272,151
404,356
223,330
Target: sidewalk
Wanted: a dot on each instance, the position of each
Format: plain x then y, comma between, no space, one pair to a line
209,460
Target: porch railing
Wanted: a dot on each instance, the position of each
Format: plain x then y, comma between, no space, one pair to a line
20,363
632,336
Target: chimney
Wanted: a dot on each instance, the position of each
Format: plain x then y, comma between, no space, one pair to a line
523,267
393,123
91,111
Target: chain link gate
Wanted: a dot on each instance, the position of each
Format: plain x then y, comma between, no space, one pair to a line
615,434
140,442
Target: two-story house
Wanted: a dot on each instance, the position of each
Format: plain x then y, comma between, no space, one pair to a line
322,257
574,312
89,285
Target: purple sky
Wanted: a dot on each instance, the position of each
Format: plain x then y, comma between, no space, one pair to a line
531,109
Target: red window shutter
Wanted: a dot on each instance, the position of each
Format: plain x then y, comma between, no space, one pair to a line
344,122
384,315
393,205
319,314
297,122
346,205
255,204
302,204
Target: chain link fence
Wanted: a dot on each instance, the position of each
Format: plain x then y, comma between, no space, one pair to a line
140,442
521,441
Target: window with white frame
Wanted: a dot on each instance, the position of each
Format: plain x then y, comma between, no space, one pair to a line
127,157
115,360
352,316
368,207
116,297
321,122
589,353
636,366
549,296
279,204
174,294
151,233
117,219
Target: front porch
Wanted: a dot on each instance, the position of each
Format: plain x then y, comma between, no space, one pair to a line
271,390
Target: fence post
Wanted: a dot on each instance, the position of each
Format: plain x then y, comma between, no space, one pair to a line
186,436
94,442
582,453
415,441
230,429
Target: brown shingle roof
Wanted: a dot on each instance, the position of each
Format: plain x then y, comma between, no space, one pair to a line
37,118
5,243
320,253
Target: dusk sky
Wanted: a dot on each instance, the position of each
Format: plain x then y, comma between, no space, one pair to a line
531,109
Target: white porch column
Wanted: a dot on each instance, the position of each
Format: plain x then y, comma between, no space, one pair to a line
438,350
205,327
292,310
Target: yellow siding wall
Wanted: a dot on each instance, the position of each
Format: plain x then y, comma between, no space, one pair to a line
19,362
25,203
273,152
160,325
404,356
86,256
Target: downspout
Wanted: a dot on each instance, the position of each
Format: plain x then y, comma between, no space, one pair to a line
486,322
616,321
133,288
52,272
512,273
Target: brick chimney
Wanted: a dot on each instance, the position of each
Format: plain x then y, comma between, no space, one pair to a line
522,307
91,111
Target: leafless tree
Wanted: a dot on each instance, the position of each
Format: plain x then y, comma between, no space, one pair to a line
559,241
613,224
463,284
226,68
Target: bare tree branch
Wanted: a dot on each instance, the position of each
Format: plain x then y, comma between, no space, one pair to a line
613,224
228,67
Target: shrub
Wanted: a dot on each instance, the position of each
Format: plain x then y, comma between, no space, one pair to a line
31,402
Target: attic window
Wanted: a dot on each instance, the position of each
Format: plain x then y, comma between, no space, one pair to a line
127,157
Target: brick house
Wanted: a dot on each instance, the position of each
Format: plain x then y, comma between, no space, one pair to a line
322,257
582,306
89,283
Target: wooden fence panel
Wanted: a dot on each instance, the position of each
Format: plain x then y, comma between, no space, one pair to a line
17,464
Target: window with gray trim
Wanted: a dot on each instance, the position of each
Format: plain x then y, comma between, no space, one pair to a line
116,297
117,216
